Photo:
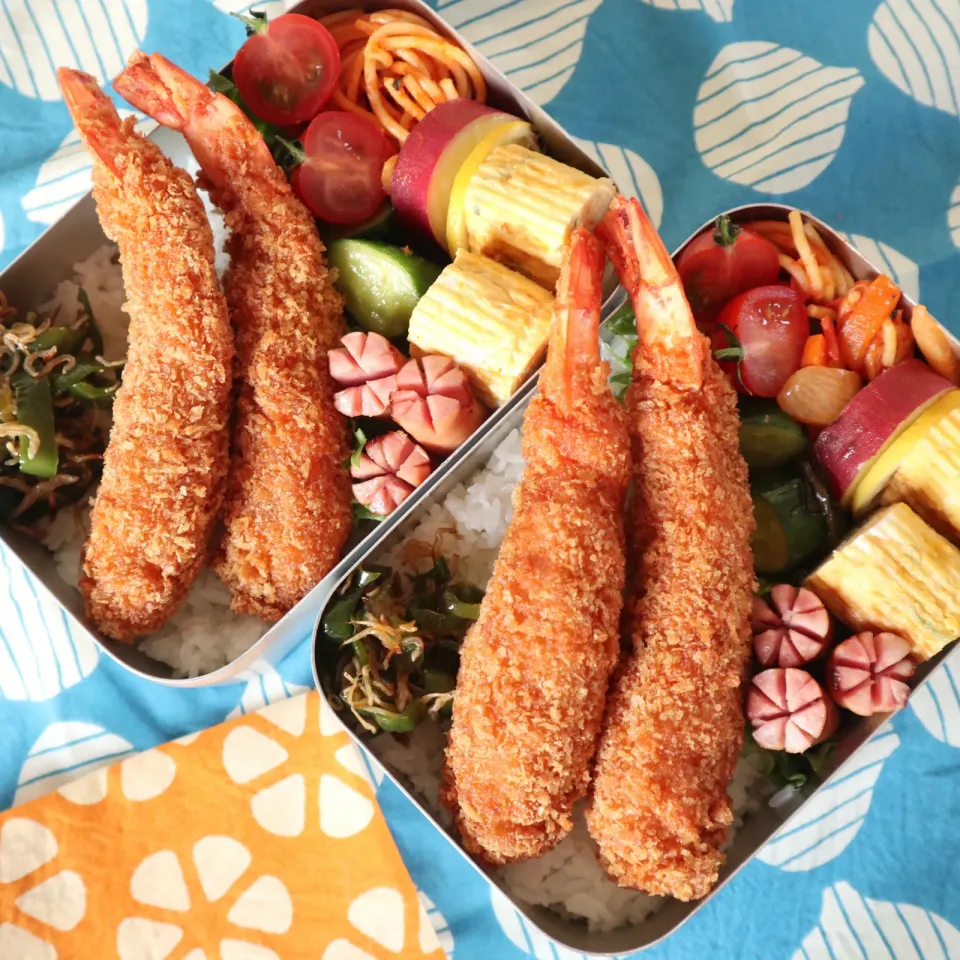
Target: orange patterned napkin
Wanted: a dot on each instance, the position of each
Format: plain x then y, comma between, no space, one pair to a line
259,839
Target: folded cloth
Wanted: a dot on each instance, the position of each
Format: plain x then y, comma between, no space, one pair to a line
259,839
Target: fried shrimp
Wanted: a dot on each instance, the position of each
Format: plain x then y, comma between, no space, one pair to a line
167,457
672,735
535,666
288,507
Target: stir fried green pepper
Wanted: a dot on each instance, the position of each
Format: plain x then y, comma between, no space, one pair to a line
400,637
51,377
38,451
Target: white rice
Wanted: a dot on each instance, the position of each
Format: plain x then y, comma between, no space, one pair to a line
569,879
204,634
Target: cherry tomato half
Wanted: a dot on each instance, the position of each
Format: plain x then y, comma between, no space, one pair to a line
769,327
340,179
722,262
286,71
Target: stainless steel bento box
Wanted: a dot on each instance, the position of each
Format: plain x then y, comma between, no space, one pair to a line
78,234
760,826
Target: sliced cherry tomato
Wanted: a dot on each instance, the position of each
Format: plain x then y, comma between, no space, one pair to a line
286,71
722,262
759,338
339,180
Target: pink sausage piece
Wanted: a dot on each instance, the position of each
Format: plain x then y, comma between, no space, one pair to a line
364,357
433,402
371,399
868,673
389,468
789,710
793,629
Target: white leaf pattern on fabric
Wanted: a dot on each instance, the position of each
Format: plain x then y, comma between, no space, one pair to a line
265,906
434,929
538,51
343,811
64,753
248,754
220,862
59,902
632,174
281,807
937,704
64,177
142,939
41,652
719,10
344,950
855,927
898,267
15,942
39,36
914,44
264,686
147,775
159,884
25,846
771,118
953,216
526,937
379,915
824,827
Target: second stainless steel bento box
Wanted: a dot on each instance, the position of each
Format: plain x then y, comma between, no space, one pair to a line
759,826
29,279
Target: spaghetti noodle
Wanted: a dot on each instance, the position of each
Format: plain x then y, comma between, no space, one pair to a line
806,258
395,68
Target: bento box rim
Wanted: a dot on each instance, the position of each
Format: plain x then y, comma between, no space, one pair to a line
866,269
279,638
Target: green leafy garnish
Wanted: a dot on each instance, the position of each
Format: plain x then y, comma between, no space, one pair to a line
279,148
623,323
360,441
789,769
360,512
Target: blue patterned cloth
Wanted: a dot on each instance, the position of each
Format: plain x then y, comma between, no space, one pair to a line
849,110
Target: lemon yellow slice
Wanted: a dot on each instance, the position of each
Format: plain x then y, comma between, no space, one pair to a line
868,489
512,131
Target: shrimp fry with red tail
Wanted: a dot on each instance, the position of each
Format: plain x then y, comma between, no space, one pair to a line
167,458
672,735
288,507
536,664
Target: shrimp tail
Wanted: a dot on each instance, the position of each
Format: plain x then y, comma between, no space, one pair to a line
670,348
219,133
142,86
574,338
94,115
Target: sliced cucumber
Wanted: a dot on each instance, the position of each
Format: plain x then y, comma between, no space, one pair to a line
381,283
791,525
768,436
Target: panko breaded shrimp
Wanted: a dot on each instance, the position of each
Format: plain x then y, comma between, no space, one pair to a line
166,461
674,724
288,509
535,666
